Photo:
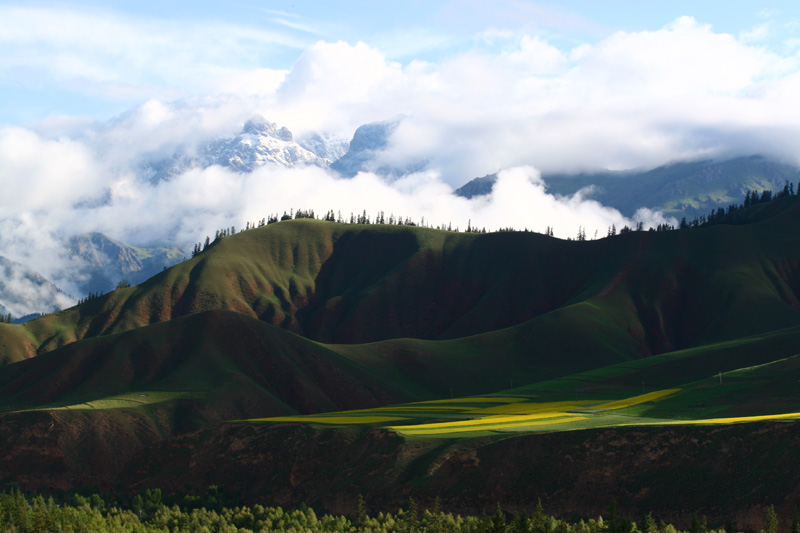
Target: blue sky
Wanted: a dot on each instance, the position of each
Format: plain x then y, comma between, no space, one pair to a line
244,35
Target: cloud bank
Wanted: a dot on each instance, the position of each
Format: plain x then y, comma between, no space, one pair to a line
514,103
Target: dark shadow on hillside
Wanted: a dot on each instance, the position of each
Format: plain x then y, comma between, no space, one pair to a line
360,261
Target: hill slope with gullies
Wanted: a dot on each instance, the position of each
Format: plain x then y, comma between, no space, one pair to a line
347,284
311,361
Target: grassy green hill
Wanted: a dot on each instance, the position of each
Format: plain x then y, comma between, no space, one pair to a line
363,283
706,430
451,313
225,364
430,313
750,379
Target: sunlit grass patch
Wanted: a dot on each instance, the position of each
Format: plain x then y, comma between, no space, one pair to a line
413,407
426,429
636,400
475,399
131,400
736,419
336,420
492,420
530,407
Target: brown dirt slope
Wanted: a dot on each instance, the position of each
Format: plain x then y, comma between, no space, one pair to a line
732,471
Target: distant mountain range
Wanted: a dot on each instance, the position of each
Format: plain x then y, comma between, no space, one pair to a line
684,189
680,189
261,142
312,361
106,262
99,264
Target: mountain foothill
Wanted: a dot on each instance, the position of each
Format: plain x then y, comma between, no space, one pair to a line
308,316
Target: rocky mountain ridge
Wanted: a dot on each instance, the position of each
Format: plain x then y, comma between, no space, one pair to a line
260,142
689,189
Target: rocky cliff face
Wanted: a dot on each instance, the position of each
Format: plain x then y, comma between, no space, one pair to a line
368,140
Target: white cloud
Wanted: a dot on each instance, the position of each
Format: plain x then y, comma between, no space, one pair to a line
331,84
757,33
108,56
632,99
536,56
38,174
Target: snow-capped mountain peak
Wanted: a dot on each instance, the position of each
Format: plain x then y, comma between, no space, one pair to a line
260,142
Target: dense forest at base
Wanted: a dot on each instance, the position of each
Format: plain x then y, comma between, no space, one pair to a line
209,513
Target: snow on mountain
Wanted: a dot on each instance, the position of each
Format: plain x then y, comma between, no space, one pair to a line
325,146
260,142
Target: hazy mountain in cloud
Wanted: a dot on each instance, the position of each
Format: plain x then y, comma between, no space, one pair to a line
261,142
324,145
258,143
104,262
477,187
24,291
680,189
368,144
367,141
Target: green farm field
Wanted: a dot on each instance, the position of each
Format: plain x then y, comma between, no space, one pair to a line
768,391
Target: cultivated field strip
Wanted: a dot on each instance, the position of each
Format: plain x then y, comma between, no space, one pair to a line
474,416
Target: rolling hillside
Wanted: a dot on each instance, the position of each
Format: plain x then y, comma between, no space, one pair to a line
415,352
349,284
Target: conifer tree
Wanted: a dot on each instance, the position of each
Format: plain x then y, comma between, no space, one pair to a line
649,524
412,516
361,512
770,521
498,520
537,520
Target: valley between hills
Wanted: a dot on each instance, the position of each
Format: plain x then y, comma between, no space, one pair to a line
309,361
